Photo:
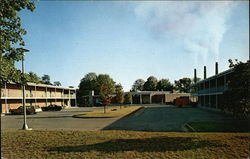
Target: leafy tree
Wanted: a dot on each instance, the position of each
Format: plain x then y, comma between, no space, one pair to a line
8,72
93,82
105,95
33,77
183,85
165,85
194,87
128,98
57,83
12,44
46,79
107,80
105,87
119,94
150,84
138,85
88,83
237,97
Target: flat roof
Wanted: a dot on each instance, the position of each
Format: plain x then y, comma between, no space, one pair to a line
45,85
216,76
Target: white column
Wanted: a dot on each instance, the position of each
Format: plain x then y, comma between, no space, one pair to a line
75,99
69,103
63,97
6,102
55,95
140,98
46,97
35,96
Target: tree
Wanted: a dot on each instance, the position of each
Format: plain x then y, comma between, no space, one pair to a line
57,83
105,95
150,84
107,80
193,87
93,82
138,85
33,77
105,87
183,85
88,83
128,98
46,79
165,85
237,97
119,94
12,44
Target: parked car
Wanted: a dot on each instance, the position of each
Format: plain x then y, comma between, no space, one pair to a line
38,109
19,110
52,107
181,101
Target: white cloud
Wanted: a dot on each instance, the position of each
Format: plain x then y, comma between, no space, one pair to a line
200,25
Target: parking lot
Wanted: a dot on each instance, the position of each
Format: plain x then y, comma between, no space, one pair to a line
54,120
165,118
151,118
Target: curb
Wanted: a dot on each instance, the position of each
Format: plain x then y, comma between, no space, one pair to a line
190,128
138,111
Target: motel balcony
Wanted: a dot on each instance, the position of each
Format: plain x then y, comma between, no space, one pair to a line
214,90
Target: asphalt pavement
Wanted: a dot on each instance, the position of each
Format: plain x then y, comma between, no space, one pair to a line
56,120
165,118
151,118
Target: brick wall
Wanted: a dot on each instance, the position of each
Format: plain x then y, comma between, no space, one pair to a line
171,97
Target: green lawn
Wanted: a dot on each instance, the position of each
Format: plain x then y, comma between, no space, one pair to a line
222,126
110,112
122,144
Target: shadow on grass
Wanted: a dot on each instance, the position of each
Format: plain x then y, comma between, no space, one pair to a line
221,126
159,144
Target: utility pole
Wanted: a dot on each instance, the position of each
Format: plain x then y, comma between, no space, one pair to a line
25,126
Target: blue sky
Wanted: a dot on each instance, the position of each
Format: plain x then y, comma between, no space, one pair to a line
131,40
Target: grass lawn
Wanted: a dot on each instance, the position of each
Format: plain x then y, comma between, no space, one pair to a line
223,126
122,144
110,112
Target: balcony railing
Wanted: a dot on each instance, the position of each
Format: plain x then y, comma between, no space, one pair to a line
219,89
33,95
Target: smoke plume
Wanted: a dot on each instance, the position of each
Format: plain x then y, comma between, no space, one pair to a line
200,25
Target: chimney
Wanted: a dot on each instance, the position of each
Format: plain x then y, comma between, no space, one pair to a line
205,72
216,68
195,76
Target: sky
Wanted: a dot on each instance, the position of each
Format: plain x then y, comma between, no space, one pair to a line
131,40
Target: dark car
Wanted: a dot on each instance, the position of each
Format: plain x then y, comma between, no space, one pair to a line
19,110
52,107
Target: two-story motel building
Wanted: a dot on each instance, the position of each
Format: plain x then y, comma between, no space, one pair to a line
36,95
210,90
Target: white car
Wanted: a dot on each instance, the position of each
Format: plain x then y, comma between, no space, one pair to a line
38,109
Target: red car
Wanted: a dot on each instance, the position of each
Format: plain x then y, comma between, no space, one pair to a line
182,101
